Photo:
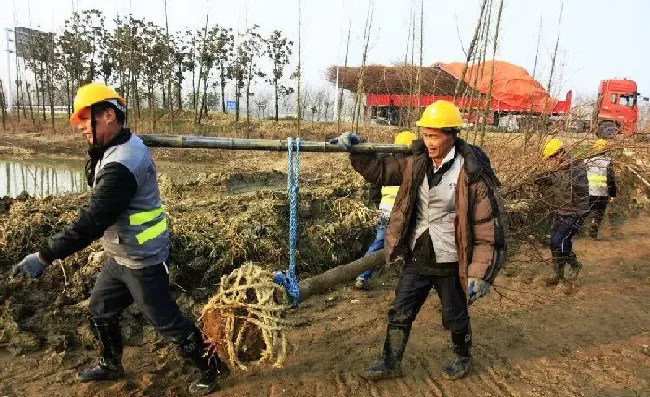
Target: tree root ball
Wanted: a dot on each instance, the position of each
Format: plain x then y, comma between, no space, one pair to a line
244,323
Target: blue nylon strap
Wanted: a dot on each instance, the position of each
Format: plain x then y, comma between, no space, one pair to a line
289,280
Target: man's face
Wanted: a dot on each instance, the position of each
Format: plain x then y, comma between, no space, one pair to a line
437,142
102,123
559,158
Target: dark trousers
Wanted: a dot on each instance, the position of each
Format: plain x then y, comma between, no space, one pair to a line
118,286
413,289
562,232
597,208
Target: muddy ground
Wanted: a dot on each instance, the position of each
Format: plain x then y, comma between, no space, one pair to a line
590,338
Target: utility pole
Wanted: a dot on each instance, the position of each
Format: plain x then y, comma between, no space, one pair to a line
8,34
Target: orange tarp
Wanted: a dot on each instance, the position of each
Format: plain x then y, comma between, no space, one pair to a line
512,84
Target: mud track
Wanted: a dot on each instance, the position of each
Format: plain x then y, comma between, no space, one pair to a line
589,339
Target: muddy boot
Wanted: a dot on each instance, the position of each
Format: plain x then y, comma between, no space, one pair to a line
361,283
109,366
389,364
462,343
575,264
558,269
211,368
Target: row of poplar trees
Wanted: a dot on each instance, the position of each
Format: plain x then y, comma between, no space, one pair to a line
146,63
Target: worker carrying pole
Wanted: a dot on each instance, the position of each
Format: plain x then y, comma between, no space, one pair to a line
567,190
386,201
448,221
125,212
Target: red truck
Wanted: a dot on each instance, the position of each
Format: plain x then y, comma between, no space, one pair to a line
616,110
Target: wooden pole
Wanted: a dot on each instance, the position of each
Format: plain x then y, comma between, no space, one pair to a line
190,141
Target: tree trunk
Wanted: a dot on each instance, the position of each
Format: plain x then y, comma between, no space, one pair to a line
152,108
237,99
29,102
179,100
223,88
4,113
276,101
248,110
340,274
68,96
203,99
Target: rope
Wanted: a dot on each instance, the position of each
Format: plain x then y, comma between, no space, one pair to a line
289,280
244,322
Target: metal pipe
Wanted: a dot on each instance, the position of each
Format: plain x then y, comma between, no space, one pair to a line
280,145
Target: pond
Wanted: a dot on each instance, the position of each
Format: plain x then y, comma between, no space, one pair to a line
42,178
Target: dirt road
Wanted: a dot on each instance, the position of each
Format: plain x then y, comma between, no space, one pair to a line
587,340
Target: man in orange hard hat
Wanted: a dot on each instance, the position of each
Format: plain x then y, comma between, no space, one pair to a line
125,212
447,221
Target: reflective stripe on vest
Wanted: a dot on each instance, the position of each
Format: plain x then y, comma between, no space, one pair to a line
388,194
152,232
140,218
597,180
597,176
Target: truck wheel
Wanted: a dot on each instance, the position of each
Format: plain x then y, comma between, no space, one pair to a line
607,129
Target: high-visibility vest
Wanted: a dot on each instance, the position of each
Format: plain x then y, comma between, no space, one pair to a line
388,195
139,238
597,176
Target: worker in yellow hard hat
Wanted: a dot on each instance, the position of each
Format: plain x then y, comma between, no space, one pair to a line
384,201
602,186
566,187
448,222
125,213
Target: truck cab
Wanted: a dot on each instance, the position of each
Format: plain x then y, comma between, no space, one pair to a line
616,109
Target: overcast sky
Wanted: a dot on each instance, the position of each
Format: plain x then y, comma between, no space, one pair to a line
598,38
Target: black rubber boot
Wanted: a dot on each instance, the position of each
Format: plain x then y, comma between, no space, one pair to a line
462,344
559,261
389,364
576,266
109,366
211,368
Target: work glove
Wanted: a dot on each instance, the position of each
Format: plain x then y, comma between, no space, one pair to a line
31,266
476,289
346,140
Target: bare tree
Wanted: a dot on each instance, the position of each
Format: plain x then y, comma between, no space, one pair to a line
491,86
472,45
366,39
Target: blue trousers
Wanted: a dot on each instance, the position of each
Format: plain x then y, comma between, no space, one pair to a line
562,232
374,247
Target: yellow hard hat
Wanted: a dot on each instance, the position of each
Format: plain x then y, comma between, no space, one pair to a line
551,147
440,114
93,93
600,144
405,138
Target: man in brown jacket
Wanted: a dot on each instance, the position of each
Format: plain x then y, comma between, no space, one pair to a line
447,223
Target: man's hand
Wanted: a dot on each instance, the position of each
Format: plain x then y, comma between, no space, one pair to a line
476,289
31,266
347,140
612,199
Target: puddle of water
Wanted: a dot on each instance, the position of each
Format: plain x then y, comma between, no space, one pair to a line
41,179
